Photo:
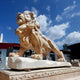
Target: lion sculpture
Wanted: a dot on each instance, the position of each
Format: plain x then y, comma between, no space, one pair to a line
30,37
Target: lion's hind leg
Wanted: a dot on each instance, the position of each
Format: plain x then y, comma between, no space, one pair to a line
55,49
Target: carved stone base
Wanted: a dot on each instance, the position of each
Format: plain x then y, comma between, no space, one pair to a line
68,73
20,63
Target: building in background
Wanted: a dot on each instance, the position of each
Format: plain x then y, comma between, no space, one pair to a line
67,55
1,38
71,52
75,51
5,49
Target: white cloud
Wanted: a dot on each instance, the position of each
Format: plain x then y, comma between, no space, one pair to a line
54,32
59,43
74,2
69,8
9,28
35,0
66,14
70,38
75,14
57,31
59,18
44,22
48,8
34,10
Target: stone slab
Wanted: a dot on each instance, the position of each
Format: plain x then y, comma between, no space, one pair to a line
21,63
68,73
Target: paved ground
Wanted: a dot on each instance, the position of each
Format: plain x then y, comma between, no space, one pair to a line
75,78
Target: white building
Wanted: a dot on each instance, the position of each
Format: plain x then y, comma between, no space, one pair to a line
5,49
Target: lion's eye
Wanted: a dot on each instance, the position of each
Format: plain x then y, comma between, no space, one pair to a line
21,15
27,16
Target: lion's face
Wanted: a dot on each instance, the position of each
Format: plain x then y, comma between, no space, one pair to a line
24,18
20,18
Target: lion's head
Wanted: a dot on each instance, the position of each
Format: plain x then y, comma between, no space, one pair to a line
26,17
26,20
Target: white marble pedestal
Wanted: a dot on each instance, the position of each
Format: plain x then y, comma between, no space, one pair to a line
21,63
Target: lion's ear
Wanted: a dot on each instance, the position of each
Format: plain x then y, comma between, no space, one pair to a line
32,15
18,14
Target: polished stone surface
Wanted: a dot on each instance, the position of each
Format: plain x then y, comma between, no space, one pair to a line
21,63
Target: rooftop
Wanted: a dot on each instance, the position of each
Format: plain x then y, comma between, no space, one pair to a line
8,45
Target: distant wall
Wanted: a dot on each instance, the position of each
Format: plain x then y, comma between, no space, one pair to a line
3,58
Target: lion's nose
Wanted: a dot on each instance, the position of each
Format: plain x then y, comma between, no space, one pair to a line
15,30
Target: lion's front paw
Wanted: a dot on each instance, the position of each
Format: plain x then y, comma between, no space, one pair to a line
37,56
61,60
13,55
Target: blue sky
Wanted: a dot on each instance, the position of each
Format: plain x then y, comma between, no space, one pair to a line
59,19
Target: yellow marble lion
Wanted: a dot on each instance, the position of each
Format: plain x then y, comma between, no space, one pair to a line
30,37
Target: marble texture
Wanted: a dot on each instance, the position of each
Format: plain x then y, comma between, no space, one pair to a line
22,63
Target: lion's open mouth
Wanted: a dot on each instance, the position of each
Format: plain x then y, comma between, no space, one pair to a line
18,18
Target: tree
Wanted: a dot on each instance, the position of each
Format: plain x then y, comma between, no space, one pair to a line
65,47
